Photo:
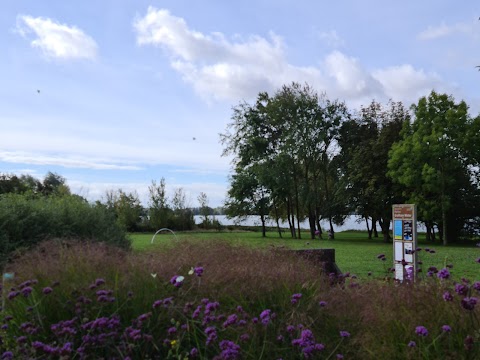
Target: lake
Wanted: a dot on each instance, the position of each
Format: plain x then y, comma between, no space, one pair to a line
352,222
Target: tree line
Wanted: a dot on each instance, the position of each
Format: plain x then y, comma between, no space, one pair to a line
160,211
297,155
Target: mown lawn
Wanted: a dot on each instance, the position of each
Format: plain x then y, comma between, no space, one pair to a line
354,252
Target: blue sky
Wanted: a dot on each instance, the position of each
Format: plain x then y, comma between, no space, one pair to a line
133,91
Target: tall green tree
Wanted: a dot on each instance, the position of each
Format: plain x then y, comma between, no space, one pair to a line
286,140
435,161
366,141
159,211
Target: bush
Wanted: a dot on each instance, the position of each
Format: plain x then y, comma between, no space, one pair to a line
27,220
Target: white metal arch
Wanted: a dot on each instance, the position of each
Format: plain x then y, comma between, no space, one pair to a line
151,242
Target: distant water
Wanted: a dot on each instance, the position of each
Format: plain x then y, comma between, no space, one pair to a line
352,222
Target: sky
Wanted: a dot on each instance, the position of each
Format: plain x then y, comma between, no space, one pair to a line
114,94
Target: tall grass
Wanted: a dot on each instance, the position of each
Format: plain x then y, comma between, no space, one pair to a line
89,301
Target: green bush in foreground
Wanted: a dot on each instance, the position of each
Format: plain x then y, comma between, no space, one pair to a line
214,301
25,220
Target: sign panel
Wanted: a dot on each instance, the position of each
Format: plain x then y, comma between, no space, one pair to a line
398,251
397,229
408,230
405,241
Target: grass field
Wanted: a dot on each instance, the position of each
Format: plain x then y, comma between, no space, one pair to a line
354,252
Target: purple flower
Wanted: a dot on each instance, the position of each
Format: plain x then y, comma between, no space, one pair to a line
21,339
27,290
476,285
144,317
339,356
461,289
478,260
172,331
290,328
244,337
230,350
446,328
322,303
469,303
232,319
198,271
194,352
47,290
177,281
447,296
296,298
421,331
13,294
265,316
344,334
7,355
443,274
211,334
99,282
412,344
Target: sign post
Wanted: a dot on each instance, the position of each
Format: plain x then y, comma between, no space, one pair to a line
404,241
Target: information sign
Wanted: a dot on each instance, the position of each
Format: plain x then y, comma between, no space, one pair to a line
405,241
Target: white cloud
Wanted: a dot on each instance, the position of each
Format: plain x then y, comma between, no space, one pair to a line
331,38
443,30
57,40
403,82
68,162
219,68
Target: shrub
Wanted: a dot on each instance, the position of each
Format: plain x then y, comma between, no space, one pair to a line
27,220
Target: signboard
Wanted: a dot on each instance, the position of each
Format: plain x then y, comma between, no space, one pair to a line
405,241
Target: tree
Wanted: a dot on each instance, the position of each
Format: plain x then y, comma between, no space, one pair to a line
204,209
286,141
54,184
182,215
365,142
159,211
435,161
246,196
126,207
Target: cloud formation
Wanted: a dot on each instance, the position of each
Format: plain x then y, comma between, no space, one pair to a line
57,40
65,161
444,30
234,69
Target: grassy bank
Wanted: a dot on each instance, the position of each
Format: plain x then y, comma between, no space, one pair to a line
354,252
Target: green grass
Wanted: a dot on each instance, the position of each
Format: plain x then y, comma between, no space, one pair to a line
354,252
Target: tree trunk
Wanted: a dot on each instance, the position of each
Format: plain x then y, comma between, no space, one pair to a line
331,236
311,221
276,219
297,207
317,219
368,228
264,230
374,227
429,231
444,226
385,225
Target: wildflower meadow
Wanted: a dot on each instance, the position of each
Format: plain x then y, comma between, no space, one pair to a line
213,300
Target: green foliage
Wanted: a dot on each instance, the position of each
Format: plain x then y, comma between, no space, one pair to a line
436,161
282,147
365,143
26,220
